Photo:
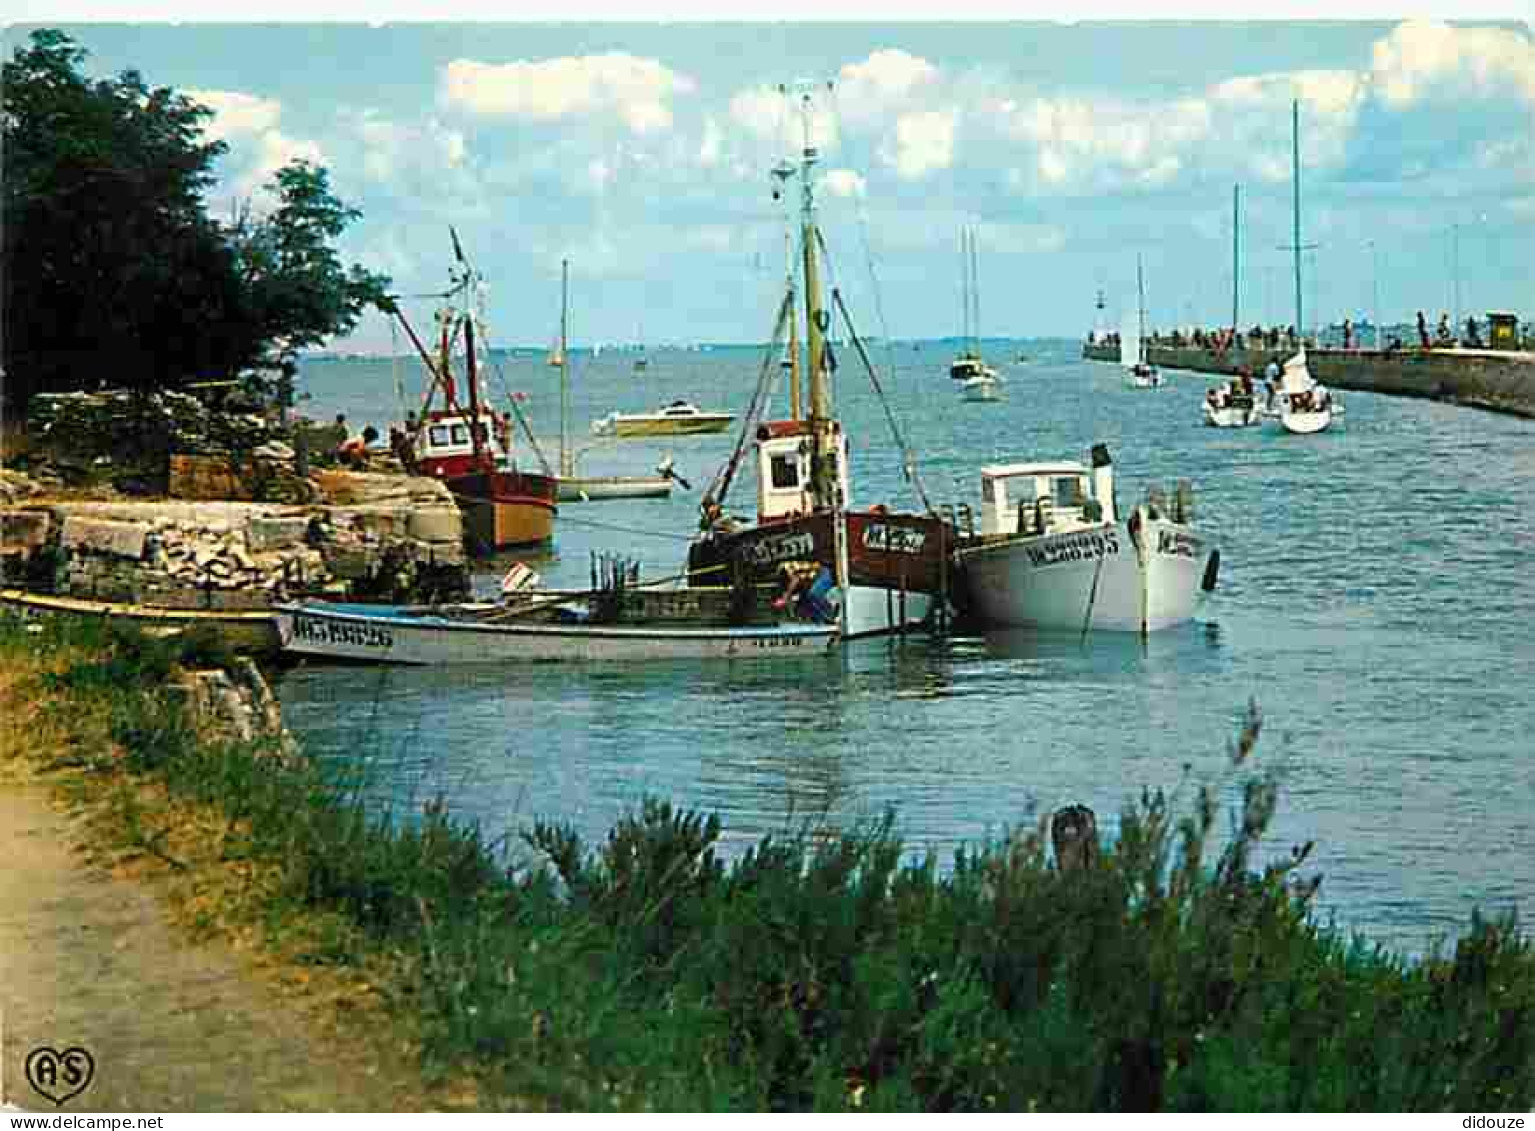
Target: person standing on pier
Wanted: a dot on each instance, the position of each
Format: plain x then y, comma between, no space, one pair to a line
1422,330
1348,334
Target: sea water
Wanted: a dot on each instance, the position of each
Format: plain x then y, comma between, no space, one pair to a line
1376,600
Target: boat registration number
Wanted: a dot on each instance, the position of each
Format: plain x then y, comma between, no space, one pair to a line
780,548
1074,548
896,539
319,631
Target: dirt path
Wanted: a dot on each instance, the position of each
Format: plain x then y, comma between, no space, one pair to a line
89,959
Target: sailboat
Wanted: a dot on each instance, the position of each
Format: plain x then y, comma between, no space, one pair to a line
470,447
642,362
591,488
980,381
871,569
1304,406
1141,374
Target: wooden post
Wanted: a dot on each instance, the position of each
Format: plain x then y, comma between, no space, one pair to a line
1074,835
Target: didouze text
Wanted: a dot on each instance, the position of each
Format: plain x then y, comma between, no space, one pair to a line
1177,544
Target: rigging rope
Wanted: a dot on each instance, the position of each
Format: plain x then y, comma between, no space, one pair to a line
908,460
719,486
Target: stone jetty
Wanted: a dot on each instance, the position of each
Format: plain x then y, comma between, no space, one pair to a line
1499,380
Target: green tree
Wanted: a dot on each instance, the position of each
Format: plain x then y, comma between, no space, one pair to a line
299,291
113,271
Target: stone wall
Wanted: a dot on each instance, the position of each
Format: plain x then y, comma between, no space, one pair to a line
375,537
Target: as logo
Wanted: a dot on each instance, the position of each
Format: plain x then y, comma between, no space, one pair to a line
60,1076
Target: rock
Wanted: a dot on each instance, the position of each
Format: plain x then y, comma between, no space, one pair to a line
105,536
272,532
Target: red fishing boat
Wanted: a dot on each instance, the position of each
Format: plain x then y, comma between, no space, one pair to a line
469,447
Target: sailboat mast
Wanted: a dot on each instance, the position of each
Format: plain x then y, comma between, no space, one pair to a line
823,478
796,410
1140,307
975,296
564,365
1295,180
1236,256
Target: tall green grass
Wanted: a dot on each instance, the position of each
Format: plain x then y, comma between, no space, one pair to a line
1174,972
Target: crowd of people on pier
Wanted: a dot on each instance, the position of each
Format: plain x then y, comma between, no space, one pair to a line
1222,339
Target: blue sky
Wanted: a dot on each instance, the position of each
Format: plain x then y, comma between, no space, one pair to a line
641,151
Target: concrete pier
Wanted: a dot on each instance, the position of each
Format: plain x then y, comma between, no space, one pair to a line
1498,380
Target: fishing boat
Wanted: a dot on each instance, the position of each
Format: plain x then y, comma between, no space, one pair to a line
875,570
680,418
469,447
979,381
1139,373
1301,404
1053,553
1231,404
592,488
252,631
388,634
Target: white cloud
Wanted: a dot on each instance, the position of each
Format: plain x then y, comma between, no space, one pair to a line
236,114
775,117
887,81
392,149
923,143
1420,59
845,182
275,149
637,90
709,147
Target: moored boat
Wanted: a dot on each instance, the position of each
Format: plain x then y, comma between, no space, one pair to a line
1139,372
680,418
469,447
1052,553
244,630
592,488
400,635
875,570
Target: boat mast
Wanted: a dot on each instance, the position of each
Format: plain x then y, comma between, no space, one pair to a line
823,459
975,297
465,287
1295,181
565,468
1236,256
781,173
1140,306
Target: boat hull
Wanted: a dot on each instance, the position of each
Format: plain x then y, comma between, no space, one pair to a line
981,389
505,509
1232,417
1095,578
595,488
897,563
252,631
1305,423
631,427
390,636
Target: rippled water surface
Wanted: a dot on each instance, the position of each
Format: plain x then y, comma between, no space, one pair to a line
1376,599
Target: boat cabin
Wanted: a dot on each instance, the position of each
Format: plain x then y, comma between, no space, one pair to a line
444,446
1031,499
783,468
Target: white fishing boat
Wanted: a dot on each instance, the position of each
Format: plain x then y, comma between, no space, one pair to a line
1301,404
575,488
389,634
680,418
1052,552
979,381
1232,404
1139,373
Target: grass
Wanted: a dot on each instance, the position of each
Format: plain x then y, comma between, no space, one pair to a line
1170,973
